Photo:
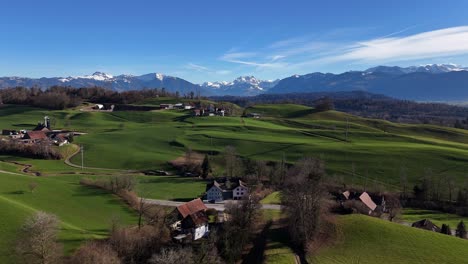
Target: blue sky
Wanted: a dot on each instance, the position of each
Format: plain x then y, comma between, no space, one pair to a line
221,40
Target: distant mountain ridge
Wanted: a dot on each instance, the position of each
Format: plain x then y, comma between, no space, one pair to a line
244,85
431,82
436,82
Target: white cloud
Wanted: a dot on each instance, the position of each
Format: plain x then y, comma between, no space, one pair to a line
427,45
196,67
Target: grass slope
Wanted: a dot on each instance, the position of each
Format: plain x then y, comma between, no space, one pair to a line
371,240
85,213
411,215
377,149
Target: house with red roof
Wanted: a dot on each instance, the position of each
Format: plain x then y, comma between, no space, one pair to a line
191,219
35,137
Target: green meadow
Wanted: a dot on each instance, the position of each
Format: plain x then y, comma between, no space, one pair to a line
363,239
84,213
356,151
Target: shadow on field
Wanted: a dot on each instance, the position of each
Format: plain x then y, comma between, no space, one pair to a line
274,150
257,253
19,192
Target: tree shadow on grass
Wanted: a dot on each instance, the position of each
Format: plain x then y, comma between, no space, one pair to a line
256,254
282,148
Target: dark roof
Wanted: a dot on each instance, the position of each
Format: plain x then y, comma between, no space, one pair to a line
426,224
35,135
191,207
226,184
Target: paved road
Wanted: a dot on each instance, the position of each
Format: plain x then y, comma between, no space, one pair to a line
218,206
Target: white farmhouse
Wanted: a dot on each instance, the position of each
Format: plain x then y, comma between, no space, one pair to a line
240,191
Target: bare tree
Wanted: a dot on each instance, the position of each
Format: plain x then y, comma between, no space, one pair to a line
95,252
32,186
172,256
37,241
392,203
231,160
302,198
242,219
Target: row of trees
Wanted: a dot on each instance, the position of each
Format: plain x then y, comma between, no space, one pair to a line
60,97
459,232
369,105
42,150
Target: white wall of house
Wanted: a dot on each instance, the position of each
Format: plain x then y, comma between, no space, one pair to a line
200,232
239,192
214,193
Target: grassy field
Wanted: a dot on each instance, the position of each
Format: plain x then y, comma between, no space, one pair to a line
272,198
412,215
376,149
84,213
370,240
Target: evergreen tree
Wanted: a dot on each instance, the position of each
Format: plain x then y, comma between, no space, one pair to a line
461,230
206,167
446,230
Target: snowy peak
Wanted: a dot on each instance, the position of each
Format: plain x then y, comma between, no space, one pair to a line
428,68
243,85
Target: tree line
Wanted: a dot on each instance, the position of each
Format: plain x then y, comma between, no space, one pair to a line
61,97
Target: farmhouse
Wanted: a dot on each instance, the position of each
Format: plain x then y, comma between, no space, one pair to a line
35,137
98,107
166,106
226,189
254,115
427,225
190,219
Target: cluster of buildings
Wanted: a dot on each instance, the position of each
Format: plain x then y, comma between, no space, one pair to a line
180,106
190,220
364,198
197,109
41,133
226,189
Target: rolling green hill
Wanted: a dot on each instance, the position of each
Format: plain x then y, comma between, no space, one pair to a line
377,150
370,240
85,213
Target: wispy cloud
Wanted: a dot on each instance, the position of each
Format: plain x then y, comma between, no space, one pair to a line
248,58
200,68
196,67
427,45
302,54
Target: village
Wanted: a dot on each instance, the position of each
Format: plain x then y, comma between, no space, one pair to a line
42,133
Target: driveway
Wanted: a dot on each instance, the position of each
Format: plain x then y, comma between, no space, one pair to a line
217,206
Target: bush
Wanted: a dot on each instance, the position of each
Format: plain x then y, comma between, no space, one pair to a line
95,252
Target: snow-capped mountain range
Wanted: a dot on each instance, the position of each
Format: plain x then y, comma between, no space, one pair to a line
424,82
245,85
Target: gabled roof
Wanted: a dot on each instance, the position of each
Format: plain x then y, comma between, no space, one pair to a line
426,224
222,184
36,135
346,194
367,200
191,208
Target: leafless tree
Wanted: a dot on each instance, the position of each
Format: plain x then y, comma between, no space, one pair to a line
95,252
172,256
392,203
37,241
242,219
302,198
231,161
